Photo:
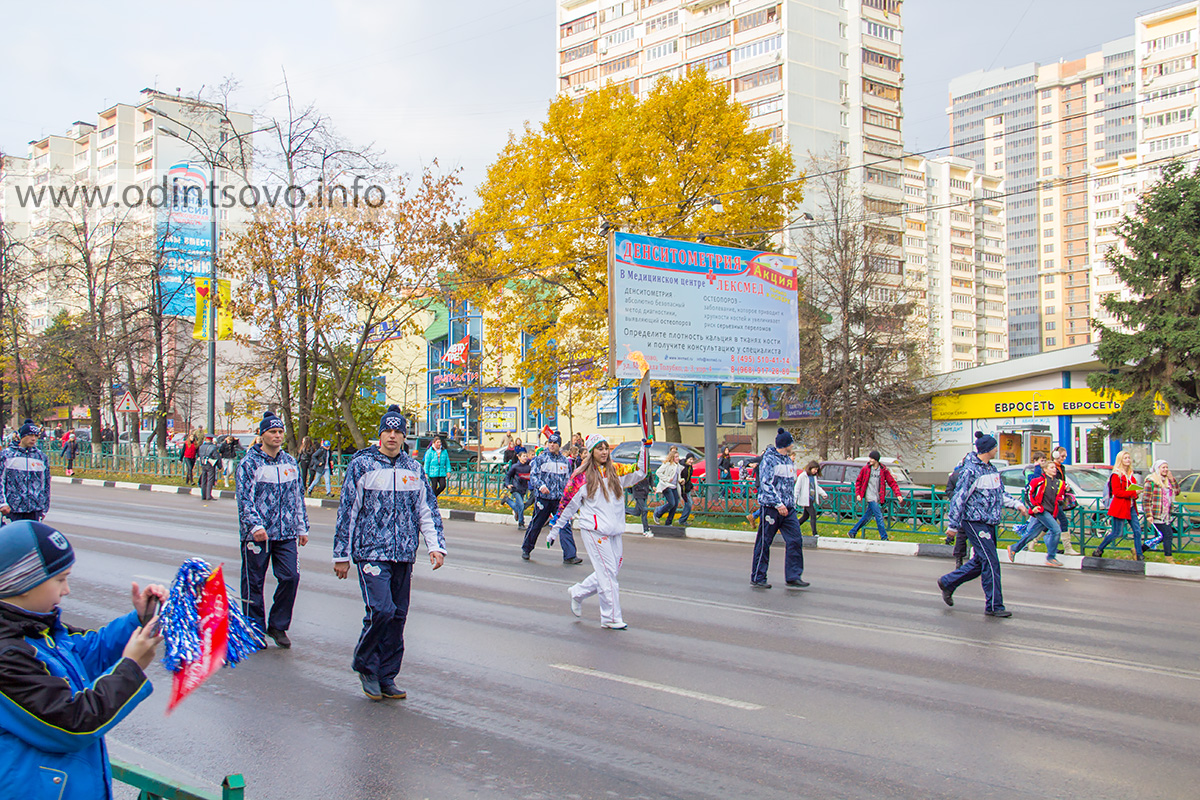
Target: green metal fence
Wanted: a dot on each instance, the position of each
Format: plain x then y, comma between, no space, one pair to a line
921,513
152,786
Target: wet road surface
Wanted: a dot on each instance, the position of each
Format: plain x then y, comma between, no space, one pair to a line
863,686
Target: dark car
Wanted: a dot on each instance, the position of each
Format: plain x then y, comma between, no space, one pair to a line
460,457
842,474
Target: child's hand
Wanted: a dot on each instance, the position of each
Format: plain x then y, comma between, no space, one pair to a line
142,644
142,596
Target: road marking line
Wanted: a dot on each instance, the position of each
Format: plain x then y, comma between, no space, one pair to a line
1063,609
660,687
885,629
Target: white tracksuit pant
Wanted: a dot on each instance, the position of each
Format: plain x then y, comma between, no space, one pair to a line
604,551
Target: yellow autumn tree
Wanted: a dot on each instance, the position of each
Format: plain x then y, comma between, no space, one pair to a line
535,254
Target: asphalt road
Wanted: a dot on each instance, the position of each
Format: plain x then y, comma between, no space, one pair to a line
863,686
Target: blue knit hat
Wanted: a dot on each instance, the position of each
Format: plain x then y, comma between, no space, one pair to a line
393,420
783,438
28,428
31,553
269,421
984,442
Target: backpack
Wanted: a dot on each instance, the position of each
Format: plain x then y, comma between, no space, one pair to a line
1106,498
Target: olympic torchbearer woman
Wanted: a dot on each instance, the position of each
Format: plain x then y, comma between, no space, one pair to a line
595,497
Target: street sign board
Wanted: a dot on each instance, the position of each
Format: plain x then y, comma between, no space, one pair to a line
127,405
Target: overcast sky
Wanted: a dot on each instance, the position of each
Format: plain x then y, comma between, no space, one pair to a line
446,79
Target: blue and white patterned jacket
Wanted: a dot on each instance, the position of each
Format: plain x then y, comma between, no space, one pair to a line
551,471
776,479
385,503
25,480
978,495
270,496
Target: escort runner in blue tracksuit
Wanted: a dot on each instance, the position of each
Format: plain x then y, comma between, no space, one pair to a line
777,501
387,500
548,476
976,506
24,476
272,518
61,688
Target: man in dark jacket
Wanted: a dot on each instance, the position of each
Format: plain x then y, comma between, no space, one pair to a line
209,458
229,451
24,476
272,520
641,498
516,478
387,507
976,506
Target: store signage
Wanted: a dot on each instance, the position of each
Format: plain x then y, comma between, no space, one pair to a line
1040,403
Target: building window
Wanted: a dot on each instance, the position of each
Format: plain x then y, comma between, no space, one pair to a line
763,46
708,35
662,50
880,60
760,78
1051,341
661,23
577,26
756,18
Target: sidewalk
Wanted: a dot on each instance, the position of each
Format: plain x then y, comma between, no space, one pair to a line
1147,568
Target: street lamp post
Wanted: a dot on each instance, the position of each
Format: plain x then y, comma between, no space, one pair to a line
211,158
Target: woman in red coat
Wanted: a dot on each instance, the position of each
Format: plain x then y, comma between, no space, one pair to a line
1123,508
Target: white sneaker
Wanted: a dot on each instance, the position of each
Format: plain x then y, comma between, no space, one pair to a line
614,626
576,605
648,534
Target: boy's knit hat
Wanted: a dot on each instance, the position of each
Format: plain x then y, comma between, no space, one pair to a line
269,421
783,438
31,553
28,428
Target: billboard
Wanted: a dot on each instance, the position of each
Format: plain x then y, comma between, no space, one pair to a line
499,419
183,231
698,312
1033,403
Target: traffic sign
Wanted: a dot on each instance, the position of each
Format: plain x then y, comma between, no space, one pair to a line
127,405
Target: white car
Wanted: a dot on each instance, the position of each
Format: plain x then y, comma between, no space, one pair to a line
1085,482
494,456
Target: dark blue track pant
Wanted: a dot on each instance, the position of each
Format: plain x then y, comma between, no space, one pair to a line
769,524
385,589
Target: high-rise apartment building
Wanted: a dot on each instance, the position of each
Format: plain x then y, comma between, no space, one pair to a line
1081,140
824,75
104,169
954,254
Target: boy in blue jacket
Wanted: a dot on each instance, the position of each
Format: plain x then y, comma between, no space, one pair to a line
61,688
387,506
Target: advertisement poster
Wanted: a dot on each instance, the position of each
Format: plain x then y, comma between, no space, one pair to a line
499,419
183,236
698,312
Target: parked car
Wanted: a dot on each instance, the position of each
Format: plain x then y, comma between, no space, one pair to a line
460,457
627,453
1189,493
495,456
1086,481
83,435
842,474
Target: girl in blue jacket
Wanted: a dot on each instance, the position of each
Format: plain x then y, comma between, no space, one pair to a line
61,688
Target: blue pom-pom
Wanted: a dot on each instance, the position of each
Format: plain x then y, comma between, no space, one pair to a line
180,621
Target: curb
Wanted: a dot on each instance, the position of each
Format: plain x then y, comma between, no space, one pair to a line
1148,569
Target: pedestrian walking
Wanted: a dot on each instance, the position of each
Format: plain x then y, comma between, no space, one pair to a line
304,459
1158,500
1059,454
976,508
319,464
273,520
229,451
808,494
641,499
516,478
209,458
724,465
62,688
1045,493
685,489
24,476
667,477
70,449
871,486
548,474
191,445
437,465
777,501
387,505
595,499
1122,508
